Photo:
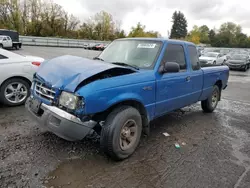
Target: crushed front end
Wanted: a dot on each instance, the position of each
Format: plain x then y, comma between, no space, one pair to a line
58,111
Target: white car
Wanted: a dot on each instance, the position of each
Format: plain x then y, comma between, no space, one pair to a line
16,73
213,58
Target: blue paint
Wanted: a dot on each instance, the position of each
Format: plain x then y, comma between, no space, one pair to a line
169,91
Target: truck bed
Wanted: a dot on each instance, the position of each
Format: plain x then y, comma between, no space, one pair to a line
211,76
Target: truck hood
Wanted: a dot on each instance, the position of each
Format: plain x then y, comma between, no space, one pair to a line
67,72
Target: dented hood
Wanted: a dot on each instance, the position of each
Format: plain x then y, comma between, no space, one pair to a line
67,72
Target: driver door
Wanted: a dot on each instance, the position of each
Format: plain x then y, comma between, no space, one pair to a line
173,90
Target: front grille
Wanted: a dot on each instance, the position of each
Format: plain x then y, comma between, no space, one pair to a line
44,92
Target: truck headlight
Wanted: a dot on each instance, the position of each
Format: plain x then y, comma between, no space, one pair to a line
69,100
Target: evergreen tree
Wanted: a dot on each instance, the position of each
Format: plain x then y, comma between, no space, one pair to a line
179,27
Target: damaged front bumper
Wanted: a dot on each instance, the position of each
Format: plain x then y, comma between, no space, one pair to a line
61,123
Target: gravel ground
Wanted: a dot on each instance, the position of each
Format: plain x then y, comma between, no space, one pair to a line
214,149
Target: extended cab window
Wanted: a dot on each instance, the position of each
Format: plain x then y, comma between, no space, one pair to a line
175,53
194,57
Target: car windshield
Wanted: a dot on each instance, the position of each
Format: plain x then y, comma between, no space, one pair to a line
210,55
238,57
138,53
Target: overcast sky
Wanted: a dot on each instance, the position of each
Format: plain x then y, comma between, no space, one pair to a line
156,14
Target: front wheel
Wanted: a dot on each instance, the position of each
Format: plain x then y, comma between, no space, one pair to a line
211,102
14,92
121,132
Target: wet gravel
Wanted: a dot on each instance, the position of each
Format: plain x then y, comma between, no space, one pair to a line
214,149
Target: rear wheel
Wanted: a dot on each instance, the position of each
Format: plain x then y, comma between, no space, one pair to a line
211,102
214,63
121,133
1,46
14,92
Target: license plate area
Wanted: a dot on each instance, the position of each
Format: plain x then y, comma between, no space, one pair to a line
35,105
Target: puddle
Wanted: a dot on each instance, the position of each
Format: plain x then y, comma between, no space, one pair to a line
240,137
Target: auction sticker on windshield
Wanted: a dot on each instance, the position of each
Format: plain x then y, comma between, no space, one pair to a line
146,45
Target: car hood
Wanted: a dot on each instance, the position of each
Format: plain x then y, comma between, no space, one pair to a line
34,58
207,58
236,61
67,72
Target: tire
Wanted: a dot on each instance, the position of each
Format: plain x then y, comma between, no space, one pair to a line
17,47
214,63
113,134
19,96
224,62
211,102
1,46
245,69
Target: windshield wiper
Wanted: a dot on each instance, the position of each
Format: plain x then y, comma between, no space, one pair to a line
126,65
98,58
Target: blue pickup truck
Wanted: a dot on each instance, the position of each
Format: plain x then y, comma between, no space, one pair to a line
118,93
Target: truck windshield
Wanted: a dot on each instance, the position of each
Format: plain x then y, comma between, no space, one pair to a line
138,53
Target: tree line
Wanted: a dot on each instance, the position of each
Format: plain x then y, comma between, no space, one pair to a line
48,19
228,35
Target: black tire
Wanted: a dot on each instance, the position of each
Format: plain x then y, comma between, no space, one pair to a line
245,68
1,46
210,104
17,47
111,135
4,100
214,63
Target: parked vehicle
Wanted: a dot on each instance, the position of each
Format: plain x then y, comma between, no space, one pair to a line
86,46
16,73
129,84
9,39
214,58
239,62
99,47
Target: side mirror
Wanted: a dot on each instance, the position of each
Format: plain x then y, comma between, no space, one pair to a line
169,67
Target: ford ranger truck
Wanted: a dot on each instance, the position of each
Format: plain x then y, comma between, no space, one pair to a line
117,94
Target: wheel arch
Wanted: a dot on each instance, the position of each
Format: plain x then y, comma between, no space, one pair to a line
19,77
131,102
219,84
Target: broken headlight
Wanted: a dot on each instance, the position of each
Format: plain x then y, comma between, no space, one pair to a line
69,100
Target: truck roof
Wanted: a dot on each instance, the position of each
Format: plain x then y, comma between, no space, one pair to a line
159,39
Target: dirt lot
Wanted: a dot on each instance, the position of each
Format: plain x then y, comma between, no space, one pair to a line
215,148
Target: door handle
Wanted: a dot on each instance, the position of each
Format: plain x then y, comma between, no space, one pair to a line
188,78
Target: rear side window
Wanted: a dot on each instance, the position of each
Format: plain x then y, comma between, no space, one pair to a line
175,53
3,57
194,59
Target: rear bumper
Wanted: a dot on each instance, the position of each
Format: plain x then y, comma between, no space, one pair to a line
61,123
